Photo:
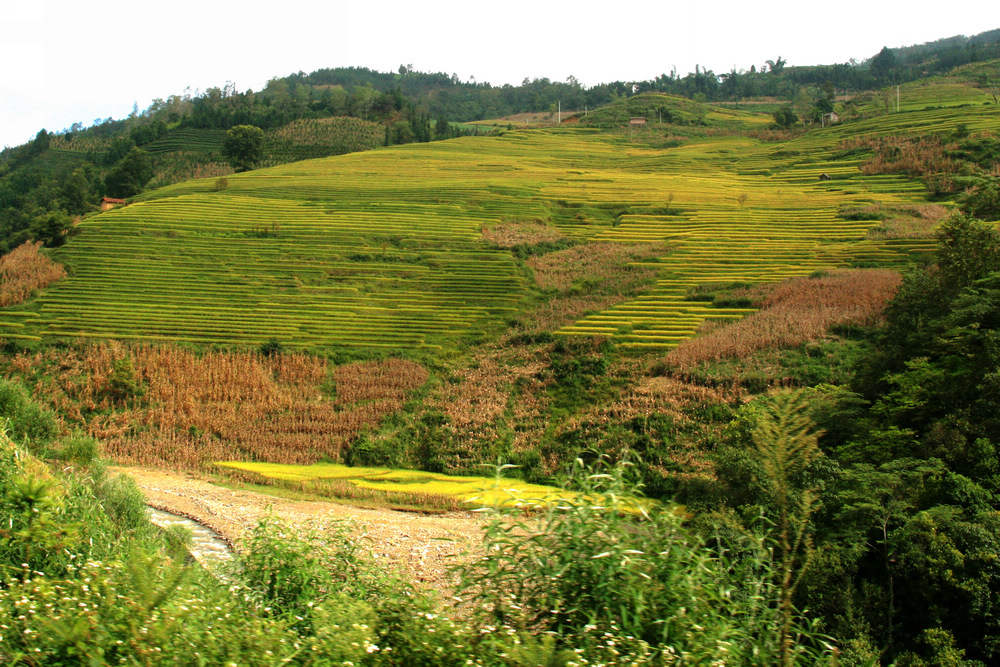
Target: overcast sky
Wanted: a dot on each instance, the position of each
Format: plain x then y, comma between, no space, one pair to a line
63,62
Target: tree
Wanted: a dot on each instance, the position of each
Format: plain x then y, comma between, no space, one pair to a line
786,443
884,64
41,142
785,117
983,199
130,175
77,191
775,66
821,106
119,148
441,128
243,146
968,250
803,104
51,228
401,132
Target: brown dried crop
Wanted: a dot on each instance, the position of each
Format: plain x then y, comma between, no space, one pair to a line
388,380
775,135
514,234
479,399
908,221
24,270
607,266
192,409
796,311
913,156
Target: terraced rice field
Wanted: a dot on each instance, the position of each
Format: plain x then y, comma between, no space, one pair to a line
960,87
383,249
192,140
466,491
470,491
237,269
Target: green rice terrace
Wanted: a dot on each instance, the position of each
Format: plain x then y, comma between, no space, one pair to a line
385,249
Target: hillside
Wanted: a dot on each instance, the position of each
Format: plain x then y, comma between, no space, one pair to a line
662,109
386,248
788,332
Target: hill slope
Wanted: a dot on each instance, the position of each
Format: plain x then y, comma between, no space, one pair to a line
384,249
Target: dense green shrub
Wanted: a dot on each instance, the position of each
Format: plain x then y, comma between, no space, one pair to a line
26,421
77,448
604,573
982,200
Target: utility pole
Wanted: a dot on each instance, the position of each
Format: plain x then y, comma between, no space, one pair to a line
559,117
897,98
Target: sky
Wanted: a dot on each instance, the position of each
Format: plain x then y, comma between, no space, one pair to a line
63,62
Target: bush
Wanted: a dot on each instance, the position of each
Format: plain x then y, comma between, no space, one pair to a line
785,117
123,384
26,422
122,501
983,200
78,448
602,572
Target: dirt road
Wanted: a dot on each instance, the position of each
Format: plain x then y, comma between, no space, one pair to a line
420,546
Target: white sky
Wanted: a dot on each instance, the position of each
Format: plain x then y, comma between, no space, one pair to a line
62,61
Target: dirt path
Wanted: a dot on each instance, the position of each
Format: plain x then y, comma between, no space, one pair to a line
421,546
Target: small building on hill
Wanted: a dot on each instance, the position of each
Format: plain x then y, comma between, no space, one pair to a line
108,203
637,122
829,119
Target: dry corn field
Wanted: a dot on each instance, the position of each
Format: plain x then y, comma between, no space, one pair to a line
607,267
513,234
24,270
192,409
499,385
795,312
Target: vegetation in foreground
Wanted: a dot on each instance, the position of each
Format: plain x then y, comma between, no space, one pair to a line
87,578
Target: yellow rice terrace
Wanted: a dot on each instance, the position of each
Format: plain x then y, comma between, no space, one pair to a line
463,491
385,249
